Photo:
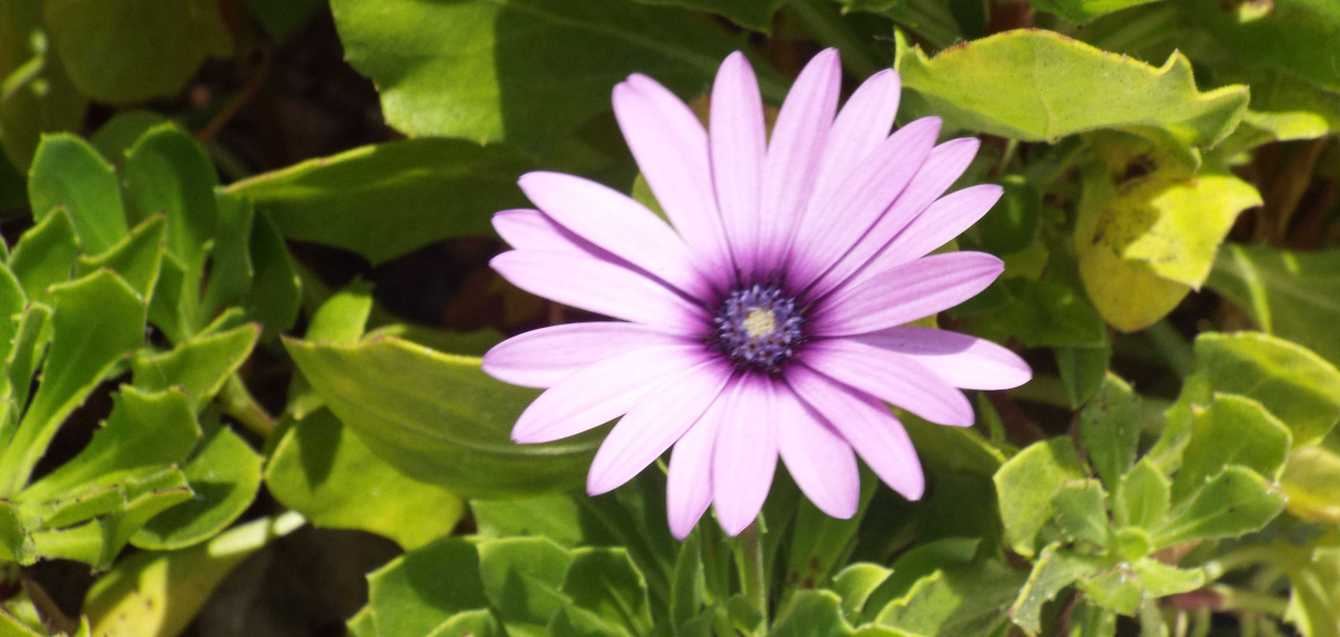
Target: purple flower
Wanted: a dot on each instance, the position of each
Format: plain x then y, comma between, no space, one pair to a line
770,319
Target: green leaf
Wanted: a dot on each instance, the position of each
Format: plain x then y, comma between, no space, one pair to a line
121,132
1026,486
1297,386
963,601
1311,482
167,172
811,613
1054,570
96,321
199,366
230,270
172,39
1292,35
1043,313
341,318
1287,293
1142,497
522,578
322,470
27,346
1083,371
1109,429
527,71
606,582
68,173
821,543
43,98
412,595
1081,511
1117,590
159,593
557,516
98,541
918,563
1144,245
1131,543
438,418
1284,108
571,621
855,583
1233,430
1081,11
145,430
225,475
1161,580
1235,502
751,14
414,192
137,257
282,18
44,255
1314,595
276,292
1047,86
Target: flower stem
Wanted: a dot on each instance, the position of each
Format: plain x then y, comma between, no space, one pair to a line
238,403
749,561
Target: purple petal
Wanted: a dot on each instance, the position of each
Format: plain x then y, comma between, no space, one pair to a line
906,293
600,286
867,425
889,376
544,357
745,456
961,360
831,227
525,229
859,129
660,417
943,166
603,391
738,144
689,486
794,151
939,224
670,147
820,460
618,224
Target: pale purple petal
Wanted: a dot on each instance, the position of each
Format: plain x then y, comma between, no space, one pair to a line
745,456
526,229
828,231
889,376
603,391
544,357
867,425
688,489
658,419
906,293
820,460
961,360
738,144
943,166
600,286
618,224
861,126
944,220
670,147
794,151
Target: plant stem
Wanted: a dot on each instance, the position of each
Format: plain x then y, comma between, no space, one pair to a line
749,561
1172,347
238,403
1243,600
827,26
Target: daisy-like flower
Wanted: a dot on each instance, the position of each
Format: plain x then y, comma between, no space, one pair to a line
769,317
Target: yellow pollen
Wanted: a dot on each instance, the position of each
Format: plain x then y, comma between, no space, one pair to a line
759,322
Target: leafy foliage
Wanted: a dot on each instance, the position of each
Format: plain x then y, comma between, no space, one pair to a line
245,293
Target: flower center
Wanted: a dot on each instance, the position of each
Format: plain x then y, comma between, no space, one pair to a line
759,327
